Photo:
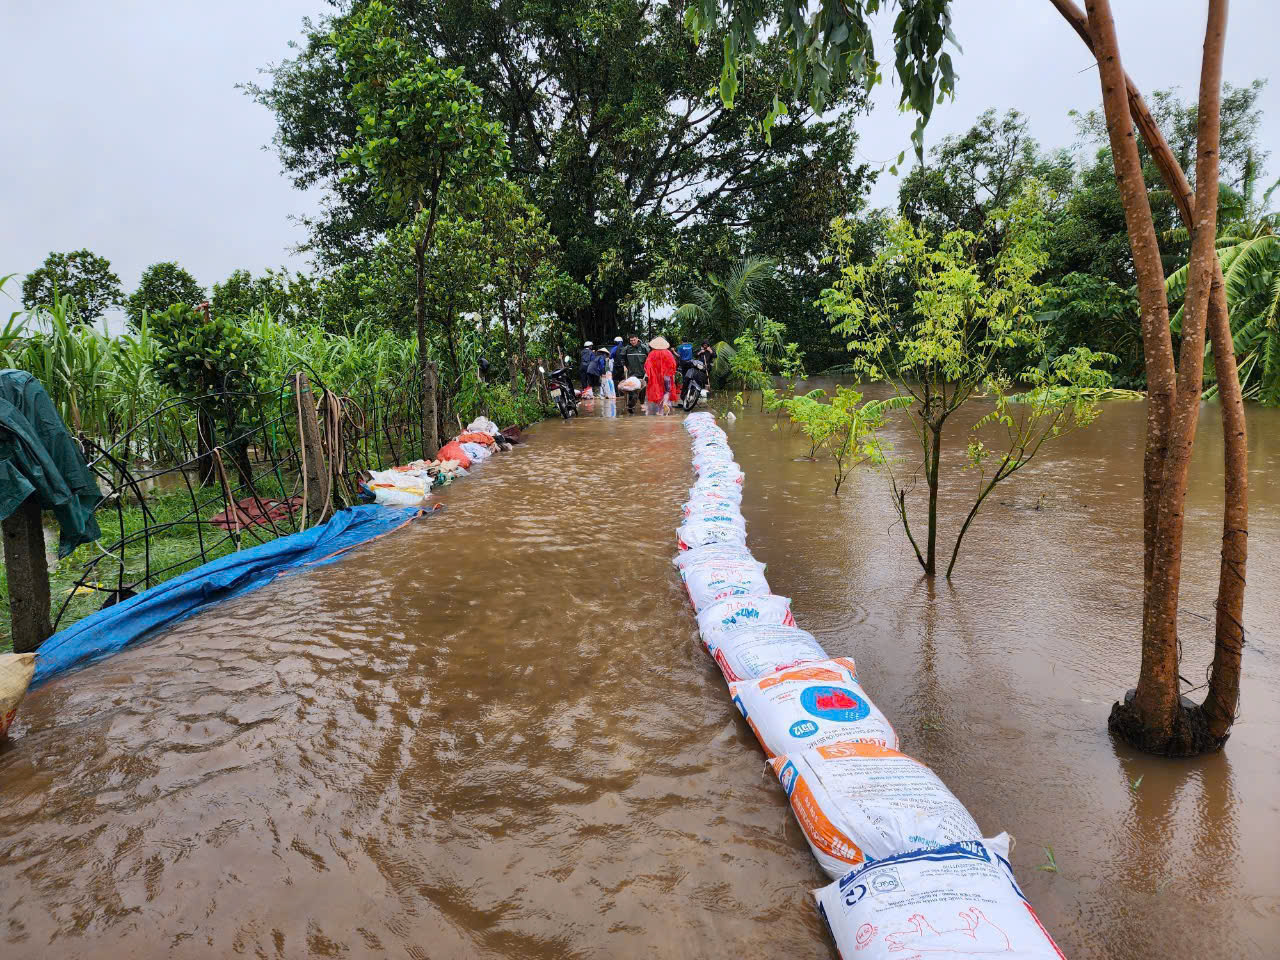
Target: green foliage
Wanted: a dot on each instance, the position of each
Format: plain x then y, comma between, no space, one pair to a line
197,354
940,327
84,277
847,428
275,291
162,285
833,45
721,309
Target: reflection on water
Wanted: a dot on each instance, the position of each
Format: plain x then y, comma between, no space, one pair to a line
494,734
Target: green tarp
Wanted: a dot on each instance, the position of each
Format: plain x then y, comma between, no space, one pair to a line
38,456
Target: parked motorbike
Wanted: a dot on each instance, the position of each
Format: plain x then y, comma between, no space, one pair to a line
695,384
561,389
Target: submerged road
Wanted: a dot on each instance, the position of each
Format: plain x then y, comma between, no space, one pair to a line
490,735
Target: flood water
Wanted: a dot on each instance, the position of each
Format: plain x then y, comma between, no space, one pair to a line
494,734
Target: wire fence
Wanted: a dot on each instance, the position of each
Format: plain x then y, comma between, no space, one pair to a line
202,477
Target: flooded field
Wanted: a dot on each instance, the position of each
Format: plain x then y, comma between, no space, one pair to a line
494,734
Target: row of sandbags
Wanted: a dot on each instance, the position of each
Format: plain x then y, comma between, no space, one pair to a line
913,873
410,484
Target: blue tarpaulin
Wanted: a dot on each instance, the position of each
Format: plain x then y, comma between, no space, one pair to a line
114,628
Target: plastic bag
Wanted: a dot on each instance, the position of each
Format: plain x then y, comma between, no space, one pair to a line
810,706
390,495
861,801
709,582
696,533
453,451
629,384
478,453
951,903
16,670
482,425
476,436
723,617
763,649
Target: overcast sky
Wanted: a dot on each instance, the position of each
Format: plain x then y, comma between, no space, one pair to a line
124,131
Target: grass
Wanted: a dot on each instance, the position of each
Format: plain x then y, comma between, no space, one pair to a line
175,540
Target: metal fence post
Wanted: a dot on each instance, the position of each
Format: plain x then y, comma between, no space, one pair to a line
28,572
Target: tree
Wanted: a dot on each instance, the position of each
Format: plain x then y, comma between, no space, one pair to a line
83,276
161,286
242,293
720,310
848,428
614,126
966,327
837,37
422,131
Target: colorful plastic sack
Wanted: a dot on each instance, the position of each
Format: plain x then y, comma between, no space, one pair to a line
483,425
475,436
862,801
713,551
16,670
696,533
394,495
811,706
453,451
953,903
478,452
763,649
723,617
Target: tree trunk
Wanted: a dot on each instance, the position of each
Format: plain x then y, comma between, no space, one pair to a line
1224,684
430,411
1153,717
934,455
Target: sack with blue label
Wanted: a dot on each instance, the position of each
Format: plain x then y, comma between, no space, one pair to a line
731,614
809,706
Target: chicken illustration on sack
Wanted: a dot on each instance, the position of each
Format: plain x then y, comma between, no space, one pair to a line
949,903
809,706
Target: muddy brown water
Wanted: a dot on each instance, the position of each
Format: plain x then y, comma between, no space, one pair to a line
494,734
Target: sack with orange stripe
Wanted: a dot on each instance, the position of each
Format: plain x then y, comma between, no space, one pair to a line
810,706
862,801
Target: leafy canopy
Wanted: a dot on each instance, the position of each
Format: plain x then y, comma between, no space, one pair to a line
162,285
83,276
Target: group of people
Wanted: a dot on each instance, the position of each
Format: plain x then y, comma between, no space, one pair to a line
655,364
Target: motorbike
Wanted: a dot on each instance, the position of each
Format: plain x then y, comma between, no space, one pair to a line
695,385
561,389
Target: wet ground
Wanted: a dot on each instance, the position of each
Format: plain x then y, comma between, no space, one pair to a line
493,735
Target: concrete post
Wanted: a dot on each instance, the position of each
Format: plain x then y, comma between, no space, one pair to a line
313,464
28,572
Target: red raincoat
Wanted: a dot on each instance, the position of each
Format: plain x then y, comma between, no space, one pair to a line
659,364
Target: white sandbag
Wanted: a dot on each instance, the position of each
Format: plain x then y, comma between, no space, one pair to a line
476,452
763,649
711,552
953,903
716,511
16,671
395,496
716,490
406,479
862,801
810,706
709,582
696,533
482,425
723,617
697,506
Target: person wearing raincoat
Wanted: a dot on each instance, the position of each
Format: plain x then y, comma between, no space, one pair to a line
660,372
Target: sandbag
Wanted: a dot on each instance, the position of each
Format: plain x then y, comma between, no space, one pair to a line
862,801
483,425
953,903
697,506
759,650
709,582
716,511
394,495
716,490
713,551
476,436
696,533
811,706
478,452
16,670
453,451
723,617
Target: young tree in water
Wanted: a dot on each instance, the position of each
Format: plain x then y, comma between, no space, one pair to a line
835,39
422,131
967,329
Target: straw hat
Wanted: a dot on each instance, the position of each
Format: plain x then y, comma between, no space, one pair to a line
602,349
660,343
